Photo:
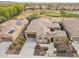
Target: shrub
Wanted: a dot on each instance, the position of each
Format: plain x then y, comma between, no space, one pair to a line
11,46
34,16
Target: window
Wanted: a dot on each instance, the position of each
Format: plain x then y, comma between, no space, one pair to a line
61,51
40,38
56,39
11,31
52,29
46,38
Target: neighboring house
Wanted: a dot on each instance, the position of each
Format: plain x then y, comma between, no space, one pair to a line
11,30
29,8
72,28
44,7
32,7
71,7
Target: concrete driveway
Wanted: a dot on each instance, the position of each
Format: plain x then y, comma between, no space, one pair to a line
4,47
28,48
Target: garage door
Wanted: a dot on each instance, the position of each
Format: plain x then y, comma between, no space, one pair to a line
31,35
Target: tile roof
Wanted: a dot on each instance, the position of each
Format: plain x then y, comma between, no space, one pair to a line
72,26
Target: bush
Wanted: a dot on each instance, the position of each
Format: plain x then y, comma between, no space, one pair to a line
11,46
34,16
2,18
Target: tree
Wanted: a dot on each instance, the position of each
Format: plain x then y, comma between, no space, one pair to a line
34,16
19,8
12,11
3,12
49,6
7,12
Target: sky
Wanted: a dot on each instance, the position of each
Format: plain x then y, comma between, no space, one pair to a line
64,1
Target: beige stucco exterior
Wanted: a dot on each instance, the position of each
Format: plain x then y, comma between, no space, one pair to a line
11,25
42,29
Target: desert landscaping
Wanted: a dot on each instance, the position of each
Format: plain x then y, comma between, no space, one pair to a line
39,30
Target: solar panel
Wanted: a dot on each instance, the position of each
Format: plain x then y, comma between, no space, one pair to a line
11,31
19,22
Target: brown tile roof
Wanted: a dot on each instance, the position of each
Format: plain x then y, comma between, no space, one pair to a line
12,25
59,33
72,26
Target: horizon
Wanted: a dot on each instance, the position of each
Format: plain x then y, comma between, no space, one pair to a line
42,1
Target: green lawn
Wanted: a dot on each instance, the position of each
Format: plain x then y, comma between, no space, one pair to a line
59,15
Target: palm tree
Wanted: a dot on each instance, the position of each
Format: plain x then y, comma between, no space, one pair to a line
63,13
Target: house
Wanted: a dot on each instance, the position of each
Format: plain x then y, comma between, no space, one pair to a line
32,7
60,40
44,31
29,8
48,35
42,37
11,30
38,25
72,28
44,7
57,36
32,29
71,7
47,22
54,41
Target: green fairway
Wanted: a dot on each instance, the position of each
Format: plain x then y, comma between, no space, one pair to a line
60,15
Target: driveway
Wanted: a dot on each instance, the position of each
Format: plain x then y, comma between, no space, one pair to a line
28,48
75,44
4,47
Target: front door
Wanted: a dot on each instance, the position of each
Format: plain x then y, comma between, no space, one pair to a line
52,39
